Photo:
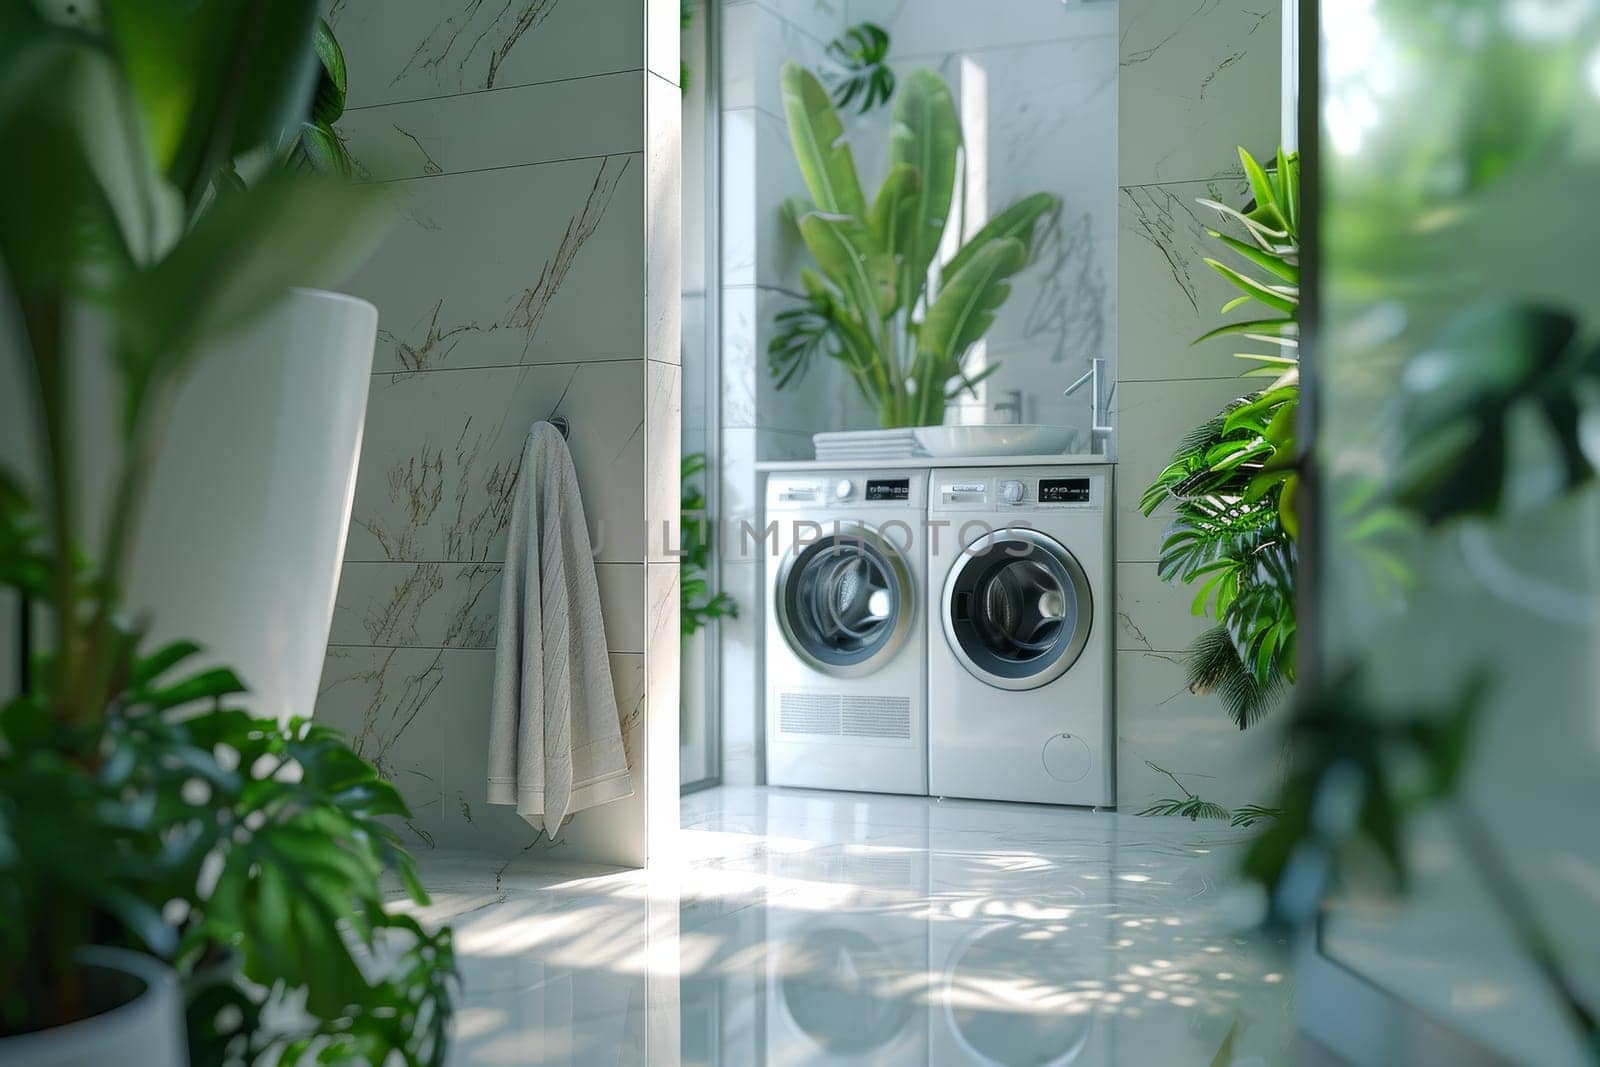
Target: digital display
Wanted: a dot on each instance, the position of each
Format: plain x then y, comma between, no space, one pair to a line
889,489
1063,490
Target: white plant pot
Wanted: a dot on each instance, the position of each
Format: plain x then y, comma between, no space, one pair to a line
141,1024
242,535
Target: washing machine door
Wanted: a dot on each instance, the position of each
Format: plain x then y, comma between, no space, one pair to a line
1017,609
845,602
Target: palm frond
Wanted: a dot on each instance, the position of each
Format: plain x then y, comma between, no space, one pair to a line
1214,666
1250,814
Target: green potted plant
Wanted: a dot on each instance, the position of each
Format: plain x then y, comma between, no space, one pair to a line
874,302
1232,480
158,841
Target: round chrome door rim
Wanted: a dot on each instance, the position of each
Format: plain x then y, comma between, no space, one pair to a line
905,597
1080,588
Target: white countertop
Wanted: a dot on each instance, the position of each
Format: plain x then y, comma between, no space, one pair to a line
930,462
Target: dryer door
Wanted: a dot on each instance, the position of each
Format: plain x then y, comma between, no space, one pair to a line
845,602
1017,609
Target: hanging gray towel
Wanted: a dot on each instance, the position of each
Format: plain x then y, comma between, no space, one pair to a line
555,737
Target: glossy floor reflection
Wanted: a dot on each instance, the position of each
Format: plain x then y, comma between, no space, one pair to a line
829,928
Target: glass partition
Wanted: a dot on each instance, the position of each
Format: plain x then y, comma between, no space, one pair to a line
1459,560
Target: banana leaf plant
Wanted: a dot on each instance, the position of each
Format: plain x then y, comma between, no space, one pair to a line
1232,482
877,301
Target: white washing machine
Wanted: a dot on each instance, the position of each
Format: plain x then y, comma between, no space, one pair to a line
1019,640
846,655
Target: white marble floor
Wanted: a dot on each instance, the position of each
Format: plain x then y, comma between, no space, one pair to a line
837,928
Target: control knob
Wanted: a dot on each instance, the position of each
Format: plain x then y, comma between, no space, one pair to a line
1011,492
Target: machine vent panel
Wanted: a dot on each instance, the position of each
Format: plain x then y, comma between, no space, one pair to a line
810,713
885,717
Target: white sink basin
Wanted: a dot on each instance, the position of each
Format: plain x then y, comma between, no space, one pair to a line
957,442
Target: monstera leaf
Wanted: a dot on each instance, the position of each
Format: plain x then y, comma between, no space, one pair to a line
1498,377
861,53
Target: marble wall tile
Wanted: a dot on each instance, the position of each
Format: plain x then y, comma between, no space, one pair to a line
695,122
663,282
395,707
758,173
821,20
457,605
1172,296
511,127
598,835
915,30
663,451
1198,80
1195,81
416,49
739,196
1159,720
736,464
744,359
442,451
533,271
756,41
1150,418
471,275
663,666
1152,615
422,715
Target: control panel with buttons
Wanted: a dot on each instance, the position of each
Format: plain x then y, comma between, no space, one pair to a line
1048,489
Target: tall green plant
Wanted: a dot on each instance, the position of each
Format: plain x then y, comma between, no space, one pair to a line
1232,482
874,301
698,604
138,806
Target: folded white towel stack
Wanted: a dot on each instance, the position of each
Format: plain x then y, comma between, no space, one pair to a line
555,736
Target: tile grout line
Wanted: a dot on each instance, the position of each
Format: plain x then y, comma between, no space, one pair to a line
508,166
604,361
494,89
1181,181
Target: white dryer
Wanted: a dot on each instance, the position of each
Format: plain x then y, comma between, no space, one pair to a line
846,655
1019,645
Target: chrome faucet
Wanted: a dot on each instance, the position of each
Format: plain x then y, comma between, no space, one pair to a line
1100,429
1011,406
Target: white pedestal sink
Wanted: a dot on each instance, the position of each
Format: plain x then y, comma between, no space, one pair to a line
243,532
